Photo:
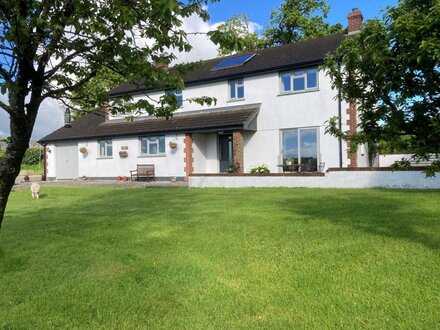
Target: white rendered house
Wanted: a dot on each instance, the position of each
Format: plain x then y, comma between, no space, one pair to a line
272,107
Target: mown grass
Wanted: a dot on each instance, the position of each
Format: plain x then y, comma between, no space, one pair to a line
219,258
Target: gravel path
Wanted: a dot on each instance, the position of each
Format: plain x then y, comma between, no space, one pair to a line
21,184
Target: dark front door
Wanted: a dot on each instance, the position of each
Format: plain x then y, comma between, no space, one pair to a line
225,154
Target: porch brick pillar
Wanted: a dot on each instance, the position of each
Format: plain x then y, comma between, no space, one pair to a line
188,151
237,147
352,127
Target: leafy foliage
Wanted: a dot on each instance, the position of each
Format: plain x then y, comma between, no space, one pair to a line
293,21
239,25
298,20
392,69
53,49
260,169
33,156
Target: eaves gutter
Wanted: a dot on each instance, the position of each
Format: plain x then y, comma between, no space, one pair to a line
167,132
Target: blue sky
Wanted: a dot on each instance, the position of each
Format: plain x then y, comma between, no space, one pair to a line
259,10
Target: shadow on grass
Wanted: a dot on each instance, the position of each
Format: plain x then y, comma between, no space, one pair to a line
407,215
403,215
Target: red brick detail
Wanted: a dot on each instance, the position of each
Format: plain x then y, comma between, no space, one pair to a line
237,148
189,159
352,127
354,20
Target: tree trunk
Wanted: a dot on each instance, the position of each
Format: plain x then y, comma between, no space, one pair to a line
22,124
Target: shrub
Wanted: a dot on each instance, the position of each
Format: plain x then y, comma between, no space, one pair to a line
33,156
260,169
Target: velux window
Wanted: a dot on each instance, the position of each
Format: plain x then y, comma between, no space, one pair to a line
178,94
105,148
299,80
152,145
236,89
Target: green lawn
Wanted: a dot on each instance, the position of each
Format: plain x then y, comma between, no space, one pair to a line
220,258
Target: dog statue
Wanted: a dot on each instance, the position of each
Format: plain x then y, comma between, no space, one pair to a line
35,189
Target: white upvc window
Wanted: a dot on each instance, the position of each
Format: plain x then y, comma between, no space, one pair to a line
178,93
300,146
105,148
299,80
152,145
236,89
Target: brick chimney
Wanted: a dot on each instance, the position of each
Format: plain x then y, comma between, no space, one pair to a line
162,64
354,21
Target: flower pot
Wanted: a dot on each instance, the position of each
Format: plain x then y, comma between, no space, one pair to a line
119,178
124,179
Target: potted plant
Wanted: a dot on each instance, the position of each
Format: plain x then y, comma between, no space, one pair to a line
83,150
123,154
290,161
173,145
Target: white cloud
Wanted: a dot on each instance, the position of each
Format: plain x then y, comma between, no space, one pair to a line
49,118
203,48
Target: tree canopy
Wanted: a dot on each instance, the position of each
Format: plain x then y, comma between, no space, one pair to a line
297,20
240,25
392,70
293,21
53,48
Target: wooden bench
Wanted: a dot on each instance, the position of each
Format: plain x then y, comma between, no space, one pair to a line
143,171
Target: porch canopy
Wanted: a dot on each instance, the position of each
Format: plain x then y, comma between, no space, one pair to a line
94,125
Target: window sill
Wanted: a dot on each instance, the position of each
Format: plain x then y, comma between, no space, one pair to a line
104,158
152,156
235,100
299,92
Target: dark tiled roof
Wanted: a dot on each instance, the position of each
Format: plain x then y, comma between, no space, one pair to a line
270,59
93,125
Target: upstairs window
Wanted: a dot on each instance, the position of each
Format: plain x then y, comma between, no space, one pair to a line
299,80
236,89
178,94
105,148
152,145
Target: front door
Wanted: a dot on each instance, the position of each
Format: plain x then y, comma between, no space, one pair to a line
225,154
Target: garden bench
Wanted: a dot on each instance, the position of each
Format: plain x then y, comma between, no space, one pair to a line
143,171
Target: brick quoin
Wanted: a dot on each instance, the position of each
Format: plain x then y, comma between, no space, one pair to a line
189,159
237,147
352,127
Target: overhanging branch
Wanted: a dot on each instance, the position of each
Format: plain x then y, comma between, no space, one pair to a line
5,107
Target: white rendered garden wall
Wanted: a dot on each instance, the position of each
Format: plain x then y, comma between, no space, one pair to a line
340,179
